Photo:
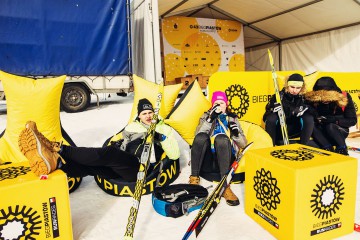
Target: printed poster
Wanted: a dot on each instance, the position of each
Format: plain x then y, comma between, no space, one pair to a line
201,46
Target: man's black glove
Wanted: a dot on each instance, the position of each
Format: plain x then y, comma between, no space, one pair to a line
277,107
234,129
327,119
214,113
158,137
299,111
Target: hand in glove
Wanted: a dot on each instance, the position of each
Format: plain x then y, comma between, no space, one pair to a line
327,119
299,111
214,113
158,137
277,107
234,129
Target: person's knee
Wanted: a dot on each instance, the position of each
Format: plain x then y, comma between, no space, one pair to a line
332,127
222,140
201,136
271,119
307,119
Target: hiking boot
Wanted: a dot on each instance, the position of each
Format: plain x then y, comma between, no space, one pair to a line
231,198
194,180
41,159
51,145
342,151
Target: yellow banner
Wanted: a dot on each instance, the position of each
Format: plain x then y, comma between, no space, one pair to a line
248,92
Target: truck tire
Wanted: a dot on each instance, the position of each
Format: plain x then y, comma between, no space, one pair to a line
74,98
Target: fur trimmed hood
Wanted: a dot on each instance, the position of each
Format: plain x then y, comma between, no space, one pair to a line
323,96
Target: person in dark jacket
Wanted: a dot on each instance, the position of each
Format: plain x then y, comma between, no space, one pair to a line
218,138
299,120
335,114
119,160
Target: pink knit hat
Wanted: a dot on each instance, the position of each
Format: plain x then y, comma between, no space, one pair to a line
219,95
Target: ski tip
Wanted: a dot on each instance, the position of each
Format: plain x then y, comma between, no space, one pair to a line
247,147
270,57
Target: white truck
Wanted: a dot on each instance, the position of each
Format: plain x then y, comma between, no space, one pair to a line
87,40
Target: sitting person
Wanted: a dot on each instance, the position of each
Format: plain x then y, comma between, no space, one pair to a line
218,138
335,114
299,121
108,162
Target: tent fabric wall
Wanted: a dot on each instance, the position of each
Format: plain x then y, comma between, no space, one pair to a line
146,40
335,51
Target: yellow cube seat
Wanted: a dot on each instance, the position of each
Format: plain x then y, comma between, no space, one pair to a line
299,192
31,208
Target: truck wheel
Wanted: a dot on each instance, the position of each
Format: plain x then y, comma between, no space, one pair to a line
74,98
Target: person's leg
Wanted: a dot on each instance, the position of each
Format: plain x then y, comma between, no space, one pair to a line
271,126
223,153
307,121
338,136
107,162
321,138
199,149
224,157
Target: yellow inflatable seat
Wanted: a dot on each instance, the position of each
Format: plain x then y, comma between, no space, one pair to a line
36,100
121,188
185,115
149,90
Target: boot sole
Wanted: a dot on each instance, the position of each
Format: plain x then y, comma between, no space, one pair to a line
38,163
233,204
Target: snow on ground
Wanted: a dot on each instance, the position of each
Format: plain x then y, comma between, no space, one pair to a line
99,216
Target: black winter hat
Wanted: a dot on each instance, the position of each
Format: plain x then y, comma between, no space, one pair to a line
296,77
144,104
326,83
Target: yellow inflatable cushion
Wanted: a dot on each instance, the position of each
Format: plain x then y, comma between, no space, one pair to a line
254,133
149,90
186,113
29,99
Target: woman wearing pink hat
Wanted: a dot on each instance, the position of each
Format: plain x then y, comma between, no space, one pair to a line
218,138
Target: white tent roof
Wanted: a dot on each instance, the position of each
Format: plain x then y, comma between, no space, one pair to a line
267,21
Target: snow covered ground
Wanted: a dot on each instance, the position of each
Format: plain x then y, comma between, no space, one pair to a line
99,216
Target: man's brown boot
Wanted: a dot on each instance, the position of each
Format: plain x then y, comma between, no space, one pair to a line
194,180
51,145
231,198
41,159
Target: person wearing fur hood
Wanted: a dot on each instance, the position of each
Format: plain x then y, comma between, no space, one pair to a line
335,114
299,121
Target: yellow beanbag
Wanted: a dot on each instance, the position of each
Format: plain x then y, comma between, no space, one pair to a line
29,99
149,90
185,115
253,133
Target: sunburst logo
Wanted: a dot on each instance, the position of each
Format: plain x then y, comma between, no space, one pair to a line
19,223
292,155
266,189
238,99
13,172
327,197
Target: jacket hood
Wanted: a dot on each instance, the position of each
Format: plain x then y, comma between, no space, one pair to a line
326,83
323,96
